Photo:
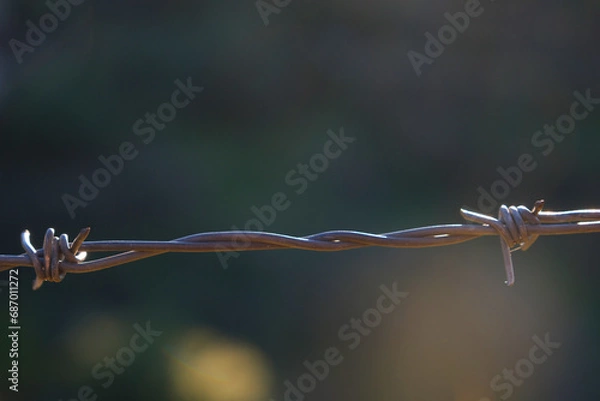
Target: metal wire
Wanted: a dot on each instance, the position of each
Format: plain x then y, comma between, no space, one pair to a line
518,228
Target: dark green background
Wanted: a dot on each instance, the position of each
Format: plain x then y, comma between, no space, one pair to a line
423,147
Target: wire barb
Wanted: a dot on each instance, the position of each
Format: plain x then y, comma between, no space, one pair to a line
517,226
54,251
511,225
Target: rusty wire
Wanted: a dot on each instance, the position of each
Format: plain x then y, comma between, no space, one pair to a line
518,228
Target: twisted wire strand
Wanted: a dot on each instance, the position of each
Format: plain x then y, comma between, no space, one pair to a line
517,226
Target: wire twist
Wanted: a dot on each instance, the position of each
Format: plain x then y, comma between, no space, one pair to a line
511,226
518,228
55,250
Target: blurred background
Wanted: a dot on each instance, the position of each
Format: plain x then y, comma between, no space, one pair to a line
276,77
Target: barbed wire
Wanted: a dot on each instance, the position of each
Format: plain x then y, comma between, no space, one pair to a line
517,226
